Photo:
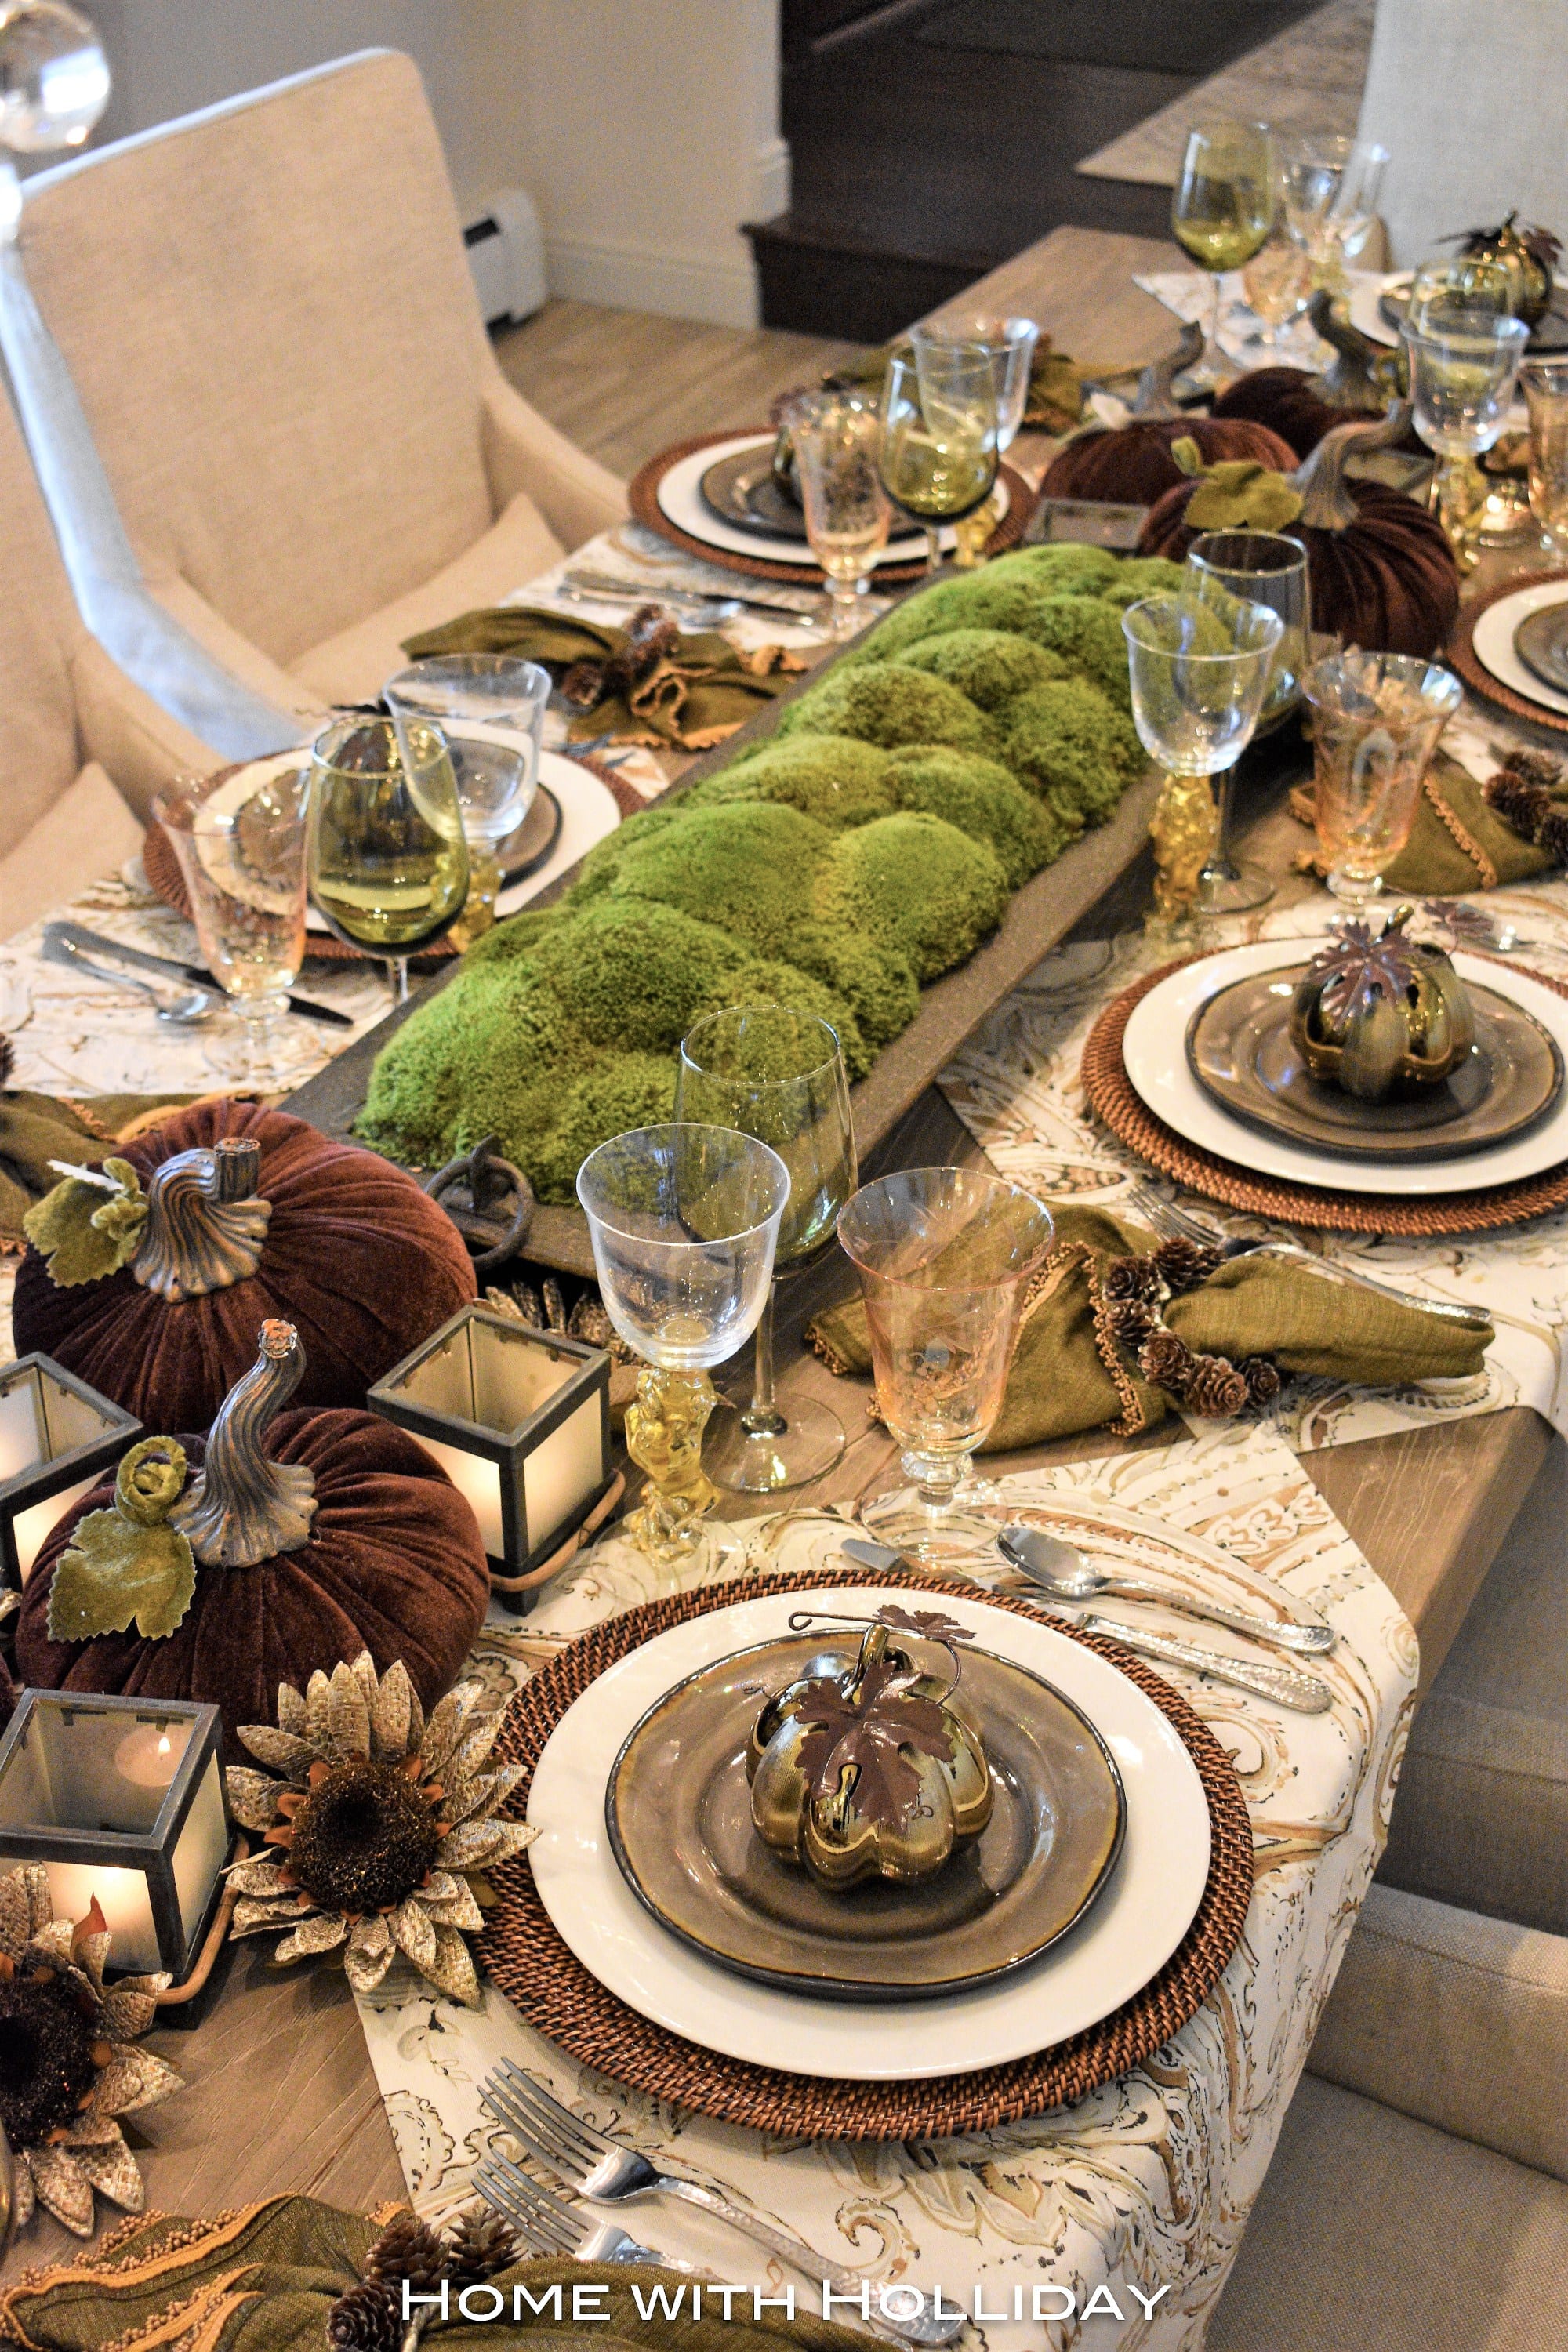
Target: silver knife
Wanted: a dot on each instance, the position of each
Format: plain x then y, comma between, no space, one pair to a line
893,1563
1285,1684
98,943
807,612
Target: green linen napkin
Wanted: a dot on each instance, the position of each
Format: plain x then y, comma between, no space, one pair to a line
1069,1375
1055,402
643,684
1457,842
265,2279
37,1129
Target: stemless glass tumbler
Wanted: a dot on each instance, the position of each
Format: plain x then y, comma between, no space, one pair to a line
942,1255
1376,721
491,710
1199,672
1544,384
684,1221
239,836
778,1075
836,435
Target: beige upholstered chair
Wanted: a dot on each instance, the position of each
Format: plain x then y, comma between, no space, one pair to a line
267,314
1468,98
82,750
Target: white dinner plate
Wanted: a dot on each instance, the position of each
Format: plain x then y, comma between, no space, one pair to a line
1127,1936
1155,1052
1492,638
588,811
1366,293
681,502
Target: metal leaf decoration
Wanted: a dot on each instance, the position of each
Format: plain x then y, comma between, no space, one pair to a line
868,1734
1359,966
926,1624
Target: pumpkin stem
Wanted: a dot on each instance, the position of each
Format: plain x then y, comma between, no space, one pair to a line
241,1507
205,1226
1153,394
1327,503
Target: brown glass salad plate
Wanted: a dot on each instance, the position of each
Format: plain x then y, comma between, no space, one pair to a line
1240,1051
677,1809
740,490
1541,641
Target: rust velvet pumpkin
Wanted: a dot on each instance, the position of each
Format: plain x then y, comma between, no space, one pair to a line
1288,403
352,1252
1383,574
311,1536
1133,465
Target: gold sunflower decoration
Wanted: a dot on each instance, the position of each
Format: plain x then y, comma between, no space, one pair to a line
67,2067
379,1818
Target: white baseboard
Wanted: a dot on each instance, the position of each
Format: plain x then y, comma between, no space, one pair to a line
635,277
773,180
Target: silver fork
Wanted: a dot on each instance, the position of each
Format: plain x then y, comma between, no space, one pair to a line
547,2225
606,2174
1175,1224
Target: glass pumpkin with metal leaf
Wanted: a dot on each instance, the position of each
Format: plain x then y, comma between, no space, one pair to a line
873,1770
1376,1014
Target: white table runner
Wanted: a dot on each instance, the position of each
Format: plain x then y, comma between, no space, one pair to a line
1143,2186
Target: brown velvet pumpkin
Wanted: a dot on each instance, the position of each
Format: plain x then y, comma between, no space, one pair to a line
1133,465
1383,574
394,1565
1288,403
354,1254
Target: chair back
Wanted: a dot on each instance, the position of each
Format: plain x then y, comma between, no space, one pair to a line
1468,98
267,313
38,627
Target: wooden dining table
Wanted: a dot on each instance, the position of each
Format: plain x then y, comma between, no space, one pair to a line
280,2096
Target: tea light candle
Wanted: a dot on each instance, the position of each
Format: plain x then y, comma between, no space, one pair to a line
57,1439
518,1420
121,1800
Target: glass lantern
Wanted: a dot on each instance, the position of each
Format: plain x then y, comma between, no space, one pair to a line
57,1439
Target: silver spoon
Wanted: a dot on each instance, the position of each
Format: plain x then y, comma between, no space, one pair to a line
1064,1571
180,1012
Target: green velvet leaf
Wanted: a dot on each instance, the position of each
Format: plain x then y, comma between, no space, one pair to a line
1240,495
84,1232
127,1562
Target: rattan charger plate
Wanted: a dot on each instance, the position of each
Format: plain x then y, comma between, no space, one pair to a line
1463,657
557,1995
643,500
1114,1099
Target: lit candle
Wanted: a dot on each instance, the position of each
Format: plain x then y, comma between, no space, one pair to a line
124,1897
150,1756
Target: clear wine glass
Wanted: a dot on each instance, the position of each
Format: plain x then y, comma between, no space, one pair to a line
684,1220
239,836
942,1255
1270,568
1200,668
1222,211
1352,216
491,709
836,435
938,448
1464,364
778,1075
1544,384
386,854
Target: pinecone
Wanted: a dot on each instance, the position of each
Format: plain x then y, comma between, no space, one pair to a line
1520,802
1263,1379
364,2320
1130,1277
1536,768
1185,1264
1130,1322
1216,1390
1168,1362
477,2245
407,2248
1552,835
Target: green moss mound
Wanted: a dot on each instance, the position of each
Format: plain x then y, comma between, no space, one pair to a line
983,799
880,704
1140,576
745,867
1074,748
917,887
991,667
835,778
1069,569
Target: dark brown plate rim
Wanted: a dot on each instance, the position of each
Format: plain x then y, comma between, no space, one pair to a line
739,516
863,1988
1423,1145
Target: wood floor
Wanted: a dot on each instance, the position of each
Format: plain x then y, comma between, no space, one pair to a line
623,384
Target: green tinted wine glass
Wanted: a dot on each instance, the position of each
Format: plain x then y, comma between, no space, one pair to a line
387,857
1222,212
938,452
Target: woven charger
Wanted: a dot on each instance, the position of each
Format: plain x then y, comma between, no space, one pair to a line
643,500
1114,1097
556,1994
1463,657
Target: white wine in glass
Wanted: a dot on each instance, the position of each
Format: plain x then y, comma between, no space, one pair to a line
1222,212
388,863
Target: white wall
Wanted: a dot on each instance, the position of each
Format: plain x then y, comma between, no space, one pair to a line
645,130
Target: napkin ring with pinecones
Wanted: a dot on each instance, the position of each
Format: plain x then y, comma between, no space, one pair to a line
1527,793
369,2316
1135,1293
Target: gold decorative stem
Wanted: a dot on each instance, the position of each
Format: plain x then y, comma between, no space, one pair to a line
241,1507
663,1437
205,1228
